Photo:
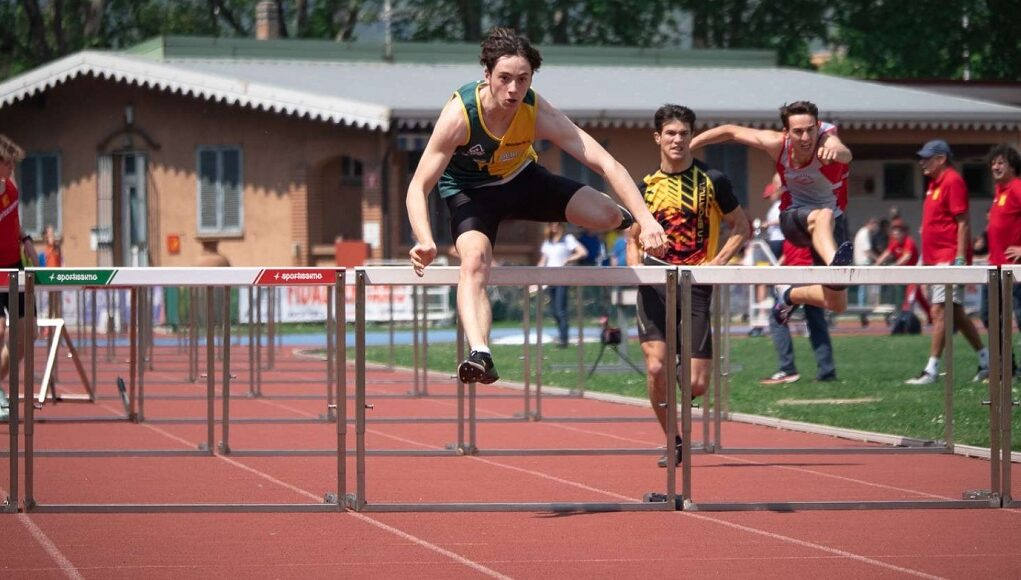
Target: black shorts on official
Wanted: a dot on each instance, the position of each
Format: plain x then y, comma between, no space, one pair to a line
794,225
652,318
5,297
534,194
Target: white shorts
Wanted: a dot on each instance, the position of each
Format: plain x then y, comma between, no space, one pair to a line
937,293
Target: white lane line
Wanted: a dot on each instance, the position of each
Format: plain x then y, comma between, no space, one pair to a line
46,543
385,527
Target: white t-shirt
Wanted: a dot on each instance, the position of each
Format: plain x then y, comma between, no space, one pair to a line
773,231
862,247
557,253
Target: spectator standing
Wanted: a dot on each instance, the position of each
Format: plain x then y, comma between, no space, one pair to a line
560,249
1003,234
946,239
818,333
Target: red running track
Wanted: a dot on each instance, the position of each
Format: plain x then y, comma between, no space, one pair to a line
951,543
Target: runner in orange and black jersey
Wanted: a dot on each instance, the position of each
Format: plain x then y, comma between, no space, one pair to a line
689,205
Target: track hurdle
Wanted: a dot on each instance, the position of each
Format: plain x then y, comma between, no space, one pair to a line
135,278
365,277
9,283
948,276
1005,406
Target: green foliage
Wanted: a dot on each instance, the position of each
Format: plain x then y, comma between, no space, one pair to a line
870,38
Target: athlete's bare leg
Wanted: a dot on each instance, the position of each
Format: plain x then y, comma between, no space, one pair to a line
476,254
820,225
593,209
655,372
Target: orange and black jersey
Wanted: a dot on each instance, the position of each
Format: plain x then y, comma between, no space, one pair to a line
689,206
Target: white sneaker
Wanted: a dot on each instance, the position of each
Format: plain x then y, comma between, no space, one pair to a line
923,378
982,375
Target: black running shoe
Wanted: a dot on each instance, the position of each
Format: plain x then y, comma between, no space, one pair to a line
781,311
478,368
679,448
626,219
844,255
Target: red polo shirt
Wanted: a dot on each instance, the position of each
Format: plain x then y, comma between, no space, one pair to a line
946,198
10,227
906,246
1004,221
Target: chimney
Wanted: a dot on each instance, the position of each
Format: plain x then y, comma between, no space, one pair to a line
266,25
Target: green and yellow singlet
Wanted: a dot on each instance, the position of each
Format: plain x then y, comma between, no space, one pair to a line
485,159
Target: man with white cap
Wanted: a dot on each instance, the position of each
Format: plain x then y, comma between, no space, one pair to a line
946,240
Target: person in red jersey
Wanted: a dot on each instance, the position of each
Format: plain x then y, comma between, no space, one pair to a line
902,251
946,239
1003,233
14,247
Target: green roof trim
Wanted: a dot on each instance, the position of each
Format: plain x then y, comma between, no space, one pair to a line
186,47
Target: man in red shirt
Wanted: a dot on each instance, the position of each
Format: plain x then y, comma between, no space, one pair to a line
1004,230
13,243
946,239
902,251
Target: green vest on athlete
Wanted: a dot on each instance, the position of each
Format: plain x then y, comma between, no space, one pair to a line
485,159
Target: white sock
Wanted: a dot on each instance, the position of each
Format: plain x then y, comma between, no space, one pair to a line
983,357
932,367
482,348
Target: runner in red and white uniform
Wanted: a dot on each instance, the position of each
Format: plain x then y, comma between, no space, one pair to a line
813,165
946,239
13,243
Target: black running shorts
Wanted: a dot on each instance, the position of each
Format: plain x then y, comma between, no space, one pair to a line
535,194
5,297
652,318
794,225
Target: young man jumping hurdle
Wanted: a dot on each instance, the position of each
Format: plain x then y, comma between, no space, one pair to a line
481,154
813,165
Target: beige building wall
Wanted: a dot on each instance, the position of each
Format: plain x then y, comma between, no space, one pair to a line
281,160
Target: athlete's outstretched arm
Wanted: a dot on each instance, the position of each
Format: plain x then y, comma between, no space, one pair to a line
450,131
553,125
737,221
764,139
831,148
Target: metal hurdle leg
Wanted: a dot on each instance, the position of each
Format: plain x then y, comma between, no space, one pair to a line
225,441
11,502
251,342
29,385
331,405
193,334
424,391
710,444
996,381
460,389
1006,394
390,329
685,383
948,356
140,321
416,362
539,358
526,347
340,341
670,324
358,502
210,371
259,293
133,354
579,389
271,318
92,337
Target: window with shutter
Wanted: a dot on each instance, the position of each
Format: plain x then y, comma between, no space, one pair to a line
220,191
40,196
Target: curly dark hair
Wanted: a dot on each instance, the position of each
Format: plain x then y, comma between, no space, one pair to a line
798,108
670,112
505,42
1009,154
